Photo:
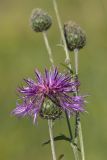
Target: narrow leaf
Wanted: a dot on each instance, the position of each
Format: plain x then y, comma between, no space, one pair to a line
67,67
58,138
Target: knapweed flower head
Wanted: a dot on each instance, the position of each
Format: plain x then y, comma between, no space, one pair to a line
74,35
40,20
49,95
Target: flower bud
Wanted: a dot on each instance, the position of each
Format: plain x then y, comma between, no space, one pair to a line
50,111
40,20
74,35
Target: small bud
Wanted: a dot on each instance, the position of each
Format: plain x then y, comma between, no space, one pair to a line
74,35
50,111
40,20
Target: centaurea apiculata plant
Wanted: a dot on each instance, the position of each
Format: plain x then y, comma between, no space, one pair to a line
53,93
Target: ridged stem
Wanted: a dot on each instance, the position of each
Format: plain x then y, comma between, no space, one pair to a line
81,141
69,126
76,61
48,47
50,125
78,128
75,151
61,32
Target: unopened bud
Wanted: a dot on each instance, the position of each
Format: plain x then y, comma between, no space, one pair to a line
74,35
40,20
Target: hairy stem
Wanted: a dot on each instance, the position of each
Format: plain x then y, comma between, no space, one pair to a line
50,125
62,33
77,119
69,126
48,47
75,151
76,61
78,128
81,141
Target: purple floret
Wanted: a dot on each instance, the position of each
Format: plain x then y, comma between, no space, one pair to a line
58,87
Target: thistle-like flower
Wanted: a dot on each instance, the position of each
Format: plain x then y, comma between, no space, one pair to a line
49,95
40,20
74,35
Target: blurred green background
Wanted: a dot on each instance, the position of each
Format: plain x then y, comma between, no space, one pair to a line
22,50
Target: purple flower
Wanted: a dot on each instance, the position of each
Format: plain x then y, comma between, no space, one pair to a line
55,86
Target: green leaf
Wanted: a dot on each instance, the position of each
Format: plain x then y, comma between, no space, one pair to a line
58,138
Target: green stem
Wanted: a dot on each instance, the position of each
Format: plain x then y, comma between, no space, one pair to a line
69,126
77,119
78,128
74,147
81,141
62,33
76,61
50,125
48,47
75,151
